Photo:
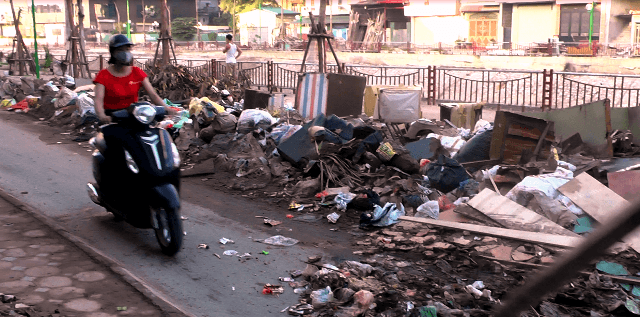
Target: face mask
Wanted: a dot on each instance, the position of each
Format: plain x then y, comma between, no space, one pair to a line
123,57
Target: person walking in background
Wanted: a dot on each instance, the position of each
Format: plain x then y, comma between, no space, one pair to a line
231,49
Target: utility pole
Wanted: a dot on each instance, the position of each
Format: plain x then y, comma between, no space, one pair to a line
128,22
233,28
35,38
591,7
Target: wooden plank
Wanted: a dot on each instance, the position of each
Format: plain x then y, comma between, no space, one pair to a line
541,140
471,213
621,279
511,215
532,237
478,164
599,202
593,197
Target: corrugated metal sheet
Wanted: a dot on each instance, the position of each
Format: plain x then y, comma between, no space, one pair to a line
312,95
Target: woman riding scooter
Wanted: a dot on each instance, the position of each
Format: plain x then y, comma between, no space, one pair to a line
136,165
117,86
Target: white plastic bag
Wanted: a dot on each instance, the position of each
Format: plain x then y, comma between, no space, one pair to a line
481,125
282,132
544,185
52,87
342,199
85,104
430,209
69,81
64,97
280,240
253,119
321,296
452,144
388,215
493,172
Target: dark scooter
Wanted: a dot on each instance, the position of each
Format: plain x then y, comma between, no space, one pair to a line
137,174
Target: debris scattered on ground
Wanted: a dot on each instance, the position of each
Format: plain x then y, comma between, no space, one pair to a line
448,215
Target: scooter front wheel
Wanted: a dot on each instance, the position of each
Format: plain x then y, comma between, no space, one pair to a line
169,230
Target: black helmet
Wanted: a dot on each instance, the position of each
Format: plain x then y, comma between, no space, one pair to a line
118,40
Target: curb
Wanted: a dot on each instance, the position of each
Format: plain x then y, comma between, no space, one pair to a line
158,299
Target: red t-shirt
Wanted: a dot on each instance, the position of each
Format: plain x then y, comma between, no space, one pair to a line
120,92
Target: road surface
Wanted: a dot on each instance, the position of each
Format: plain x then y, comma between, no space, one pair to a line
51,176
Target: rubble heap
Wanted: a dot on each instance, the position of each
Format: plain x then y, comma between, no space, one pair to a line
512,196
176,82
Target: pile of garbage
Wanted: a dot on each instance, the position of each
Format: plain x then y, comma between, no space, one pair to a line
59,102
395,185
359,170
176,82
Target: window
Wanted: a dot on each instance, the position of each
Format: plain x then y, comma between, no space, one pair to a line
47,9
313,3
575,21
105,11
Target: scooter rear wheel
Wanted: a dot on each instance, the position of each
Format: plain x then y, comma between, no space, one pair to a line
169,231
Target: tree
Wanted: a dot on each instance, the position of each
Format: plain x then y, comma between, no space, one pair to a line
246,5
184,28
147,11
224,19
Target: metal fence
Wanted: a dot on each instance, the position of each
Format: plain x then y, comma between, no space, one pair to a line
539,89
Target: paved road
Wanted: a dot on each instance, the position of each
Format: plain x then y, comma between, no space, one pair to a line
51,177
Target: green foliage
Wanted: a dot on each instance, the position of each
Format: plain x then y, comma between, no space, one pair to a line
184,28
224,19
212,36
49,57
246,5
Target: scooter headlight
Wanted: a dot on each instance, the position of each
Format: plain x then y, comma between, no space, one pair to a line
176,155
131,164
145,113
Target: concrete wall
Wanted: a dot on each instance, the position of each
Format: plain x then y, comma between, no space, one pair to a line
257,18
589,121
334,8
534,22
431,30
634,123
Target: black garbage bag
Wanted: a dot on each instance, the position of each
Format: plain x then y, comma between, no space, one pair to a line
476,149
446,174
365,203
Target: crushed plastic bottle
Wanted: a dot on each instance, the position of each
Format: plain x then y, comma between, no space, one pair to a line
333,217
280,240
342,199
